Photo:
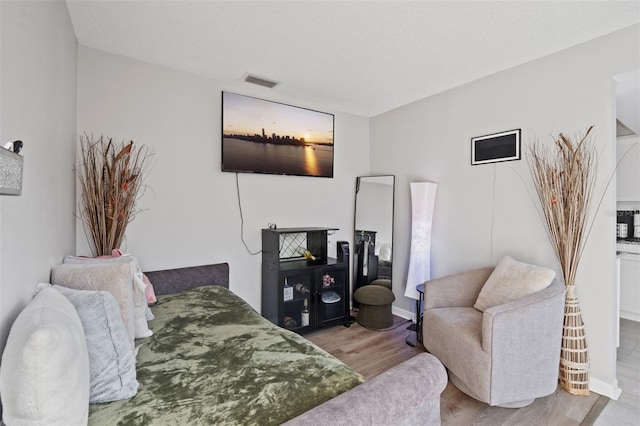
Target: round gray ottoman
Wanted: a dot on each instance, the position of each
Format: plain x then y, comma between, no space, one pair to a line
375,306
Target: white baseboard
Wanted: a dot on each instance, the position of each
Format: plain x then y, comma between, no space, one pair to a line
610,390
630,315
403,313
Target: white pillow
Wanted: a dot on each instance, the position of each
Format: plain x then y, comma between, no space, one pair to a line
512,280
116,278
44,377
141,310
112,362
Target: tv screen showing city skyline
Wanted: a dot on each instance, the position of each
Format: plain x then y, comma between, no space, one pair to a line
260,136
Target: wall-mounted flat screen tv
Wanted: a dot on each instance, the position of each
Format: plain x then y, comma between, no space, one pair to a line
260,136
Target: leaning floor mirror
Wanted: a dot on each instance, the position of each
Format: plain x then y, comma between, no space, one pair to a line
373,233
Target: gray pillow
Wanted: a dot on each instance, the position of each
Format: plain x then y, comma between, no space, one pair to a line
112,363
116,278
141,311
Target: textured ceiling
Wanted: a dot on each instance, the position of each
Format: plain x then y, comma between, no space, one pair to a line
361,57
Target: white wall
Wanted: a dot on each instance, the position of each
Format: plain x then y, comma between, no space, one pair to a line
628,99
190,216
476,222
38,106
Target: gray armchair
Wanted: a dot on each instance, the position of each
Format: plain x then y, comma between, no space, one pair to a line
507,355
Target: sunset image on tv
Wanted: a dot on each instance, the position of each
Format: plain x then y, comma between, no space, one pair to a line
260,136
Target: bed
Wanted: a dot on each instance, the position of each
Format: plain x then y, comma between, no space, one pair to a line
214,360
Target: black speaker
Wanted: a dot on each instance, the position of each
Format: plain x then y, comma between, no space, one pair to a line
342,251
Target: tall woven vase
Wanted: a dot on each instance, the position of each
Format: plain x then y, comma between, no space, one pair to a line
574,356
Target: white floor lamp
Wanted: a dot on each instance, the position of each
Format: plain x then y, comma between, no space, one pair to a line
423,198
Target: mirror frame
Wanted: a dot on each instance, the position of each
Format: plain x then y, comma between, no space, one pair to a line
355,281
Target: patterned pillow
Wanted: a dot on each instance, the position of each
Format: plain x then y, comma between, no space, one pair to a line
512,280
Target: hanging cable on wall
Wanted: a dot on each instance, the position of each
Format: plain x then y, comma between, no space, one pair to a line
242,220
493,215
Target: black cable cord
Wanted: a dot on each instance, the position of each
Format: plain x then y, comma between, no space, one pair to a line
398,325
493,215
388,329
242,220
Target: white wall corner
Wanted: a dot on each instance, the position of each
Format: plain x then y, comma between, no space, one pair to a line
610,390
402,313
630,315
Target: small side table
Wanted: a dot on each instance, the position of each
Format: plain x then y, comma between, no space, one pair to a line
413,339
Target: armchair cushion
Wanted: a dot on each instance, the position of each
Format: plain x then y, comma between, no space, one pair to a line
454,336
512,280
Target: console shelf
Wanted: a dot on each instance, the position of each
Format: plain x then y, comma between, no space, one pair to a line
290,281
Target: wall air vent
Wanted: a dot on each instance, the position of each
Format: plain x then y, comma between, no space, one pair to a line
249,78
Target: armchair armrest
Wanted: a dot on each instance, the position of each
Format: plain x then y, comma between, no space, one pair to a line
525,332
460,289
542,310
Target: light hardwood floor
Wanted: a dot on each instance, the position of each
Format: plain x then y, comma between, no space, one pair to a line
366,351
372,352
626,410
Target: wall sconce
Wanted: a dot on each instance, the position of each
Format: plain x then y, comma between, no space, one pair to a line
11,170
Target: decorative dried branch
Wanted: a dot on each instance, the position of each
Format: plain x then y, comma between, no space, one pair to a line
111,176
564,183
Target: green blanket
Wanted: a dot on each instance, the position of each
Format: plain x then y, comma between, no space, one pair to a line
214,360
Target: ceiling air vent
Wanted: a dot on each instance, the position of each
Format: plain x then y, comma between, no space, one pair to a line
249,78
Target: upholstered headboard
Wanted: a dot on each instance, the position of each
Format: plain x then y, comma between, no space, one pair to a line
175,280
